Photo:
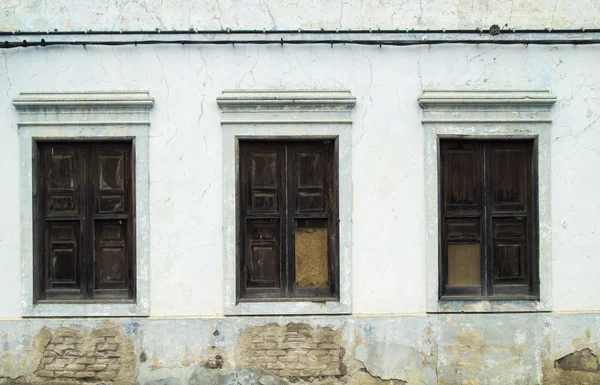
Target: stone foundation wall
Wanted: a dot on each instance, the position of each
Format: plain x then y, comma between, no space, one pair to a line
520,349
293,350
103,354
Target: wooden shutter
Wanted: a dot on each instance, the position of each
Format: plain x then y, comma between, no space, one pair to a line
111,221
85,235
509,166
64,208
463,217
311,220
288,220
262,218
488,223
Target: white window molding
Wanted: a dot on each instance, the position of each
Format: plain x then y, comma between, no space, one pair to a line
84,116
487,115
286,115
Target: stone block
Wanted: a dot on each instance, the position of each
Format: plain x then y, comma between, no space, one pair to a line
85,360
85,374
54,367
96,367
62,361
106,360
65,373
44,373
104,347
60,347
106,374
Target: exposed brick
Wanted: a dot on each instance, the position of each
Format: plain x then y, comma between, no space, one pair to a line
295,345
96,367
65,347
49,353
297,352
54,367
105,333
106,360
75,367
45,373
85,374
113,367
47,360
106,374
327,345
85,360
275,353
65,373
73,353
276,365
57,340
103,347
266,346
62,361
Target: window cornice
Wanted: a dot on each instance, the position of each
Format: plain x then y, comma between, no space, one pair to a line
486,106
83,108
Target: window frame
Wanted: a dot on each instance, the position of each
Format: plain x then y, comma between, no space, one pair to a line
488,115
287,292
531,241
286,115
85,245
84,116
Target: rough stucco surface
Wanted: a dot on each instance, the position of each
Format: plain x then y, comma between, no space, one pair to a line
388,269
186,240
314,14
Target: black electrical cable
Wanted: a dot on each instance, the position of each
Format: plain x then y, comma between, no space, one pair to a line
44,43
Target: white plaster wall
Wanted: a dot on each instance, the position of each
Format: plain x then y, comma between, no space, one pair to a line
388,164
293,14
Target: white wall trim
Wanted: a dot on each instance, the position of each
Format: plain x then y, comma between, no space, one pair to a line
293,114
84,116
487,115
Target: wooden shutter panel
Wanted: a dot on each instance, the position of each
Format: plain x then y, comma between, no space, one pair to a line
309,226
64,207
510,195
263,213
462,227
111,178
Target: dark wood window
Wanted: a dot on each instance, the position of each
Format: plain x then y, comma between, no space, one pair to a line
288,221
83,221
488,219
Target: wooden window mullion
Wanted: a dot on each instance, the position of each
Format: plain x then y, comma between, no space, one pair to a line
87,223
288,257
487,220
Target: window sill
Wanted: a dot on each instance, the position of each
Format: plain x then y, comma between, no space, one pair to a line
316,307
463,305
82,309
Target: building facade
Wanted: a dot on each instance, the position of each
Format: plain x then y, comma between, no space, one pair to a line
265,192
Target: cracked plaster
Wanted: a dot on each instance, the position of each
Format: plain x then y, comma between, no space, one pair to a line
185,142
294,14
